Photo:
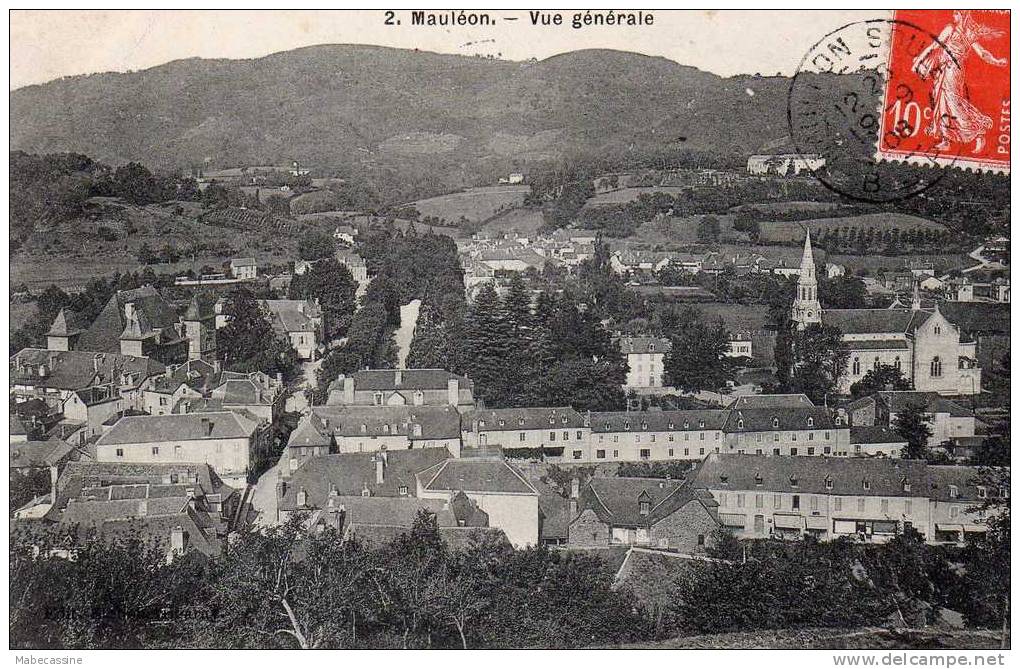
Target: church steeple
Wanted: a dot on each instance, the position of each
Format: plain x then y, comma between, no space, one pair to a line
806,308
915,302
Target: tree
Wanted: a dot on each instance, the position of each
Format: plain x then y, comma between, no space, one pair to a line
842,292
708,229
316,245
697,359
331,283
912,423
248,341
882,377
818,358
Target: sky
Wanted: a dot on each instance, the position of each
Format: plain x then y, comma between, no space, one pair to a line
47,45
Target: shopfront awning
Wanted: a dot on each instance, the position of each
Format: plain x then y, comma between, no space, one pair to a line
788,522
946,527
817,523
733,520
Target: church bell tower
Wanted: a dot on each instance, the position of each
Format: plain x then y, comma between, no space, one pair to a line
806,308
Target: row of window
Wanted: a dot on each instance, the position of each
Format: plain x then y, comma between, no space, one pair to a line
651,437
934,369
813,503
644,453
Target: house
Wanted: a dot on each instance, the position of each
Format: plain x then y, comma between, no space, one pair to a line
299,321
244,268
356,429
345,234
161,394
82,387
136,322
226,440
400,387
740,345
947,420
18,430
354,263
876,441
658,513
555,430
497,488
782,425
930,350
646,361
784,164
870,499
29,455
178,507
654,435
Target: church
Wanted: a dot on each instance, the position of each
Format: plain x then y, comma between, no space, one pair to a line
921,343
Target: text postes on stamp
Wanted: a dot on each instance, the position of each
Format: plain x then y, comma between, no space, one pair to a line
835,107
948,89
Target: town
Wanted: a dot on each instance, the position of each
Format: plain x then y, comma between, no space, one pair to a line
279,406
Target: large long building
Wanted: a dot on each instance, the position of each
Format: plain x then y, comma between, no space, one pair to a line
871,499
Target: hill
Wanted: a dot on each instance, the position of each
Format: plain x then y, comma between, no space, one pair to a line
435,122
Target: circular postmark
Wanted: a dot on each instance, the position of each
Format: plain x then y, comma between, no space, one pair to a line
837,104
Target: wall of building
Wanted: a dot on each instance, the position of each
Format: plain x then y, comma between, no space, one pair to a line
229,457
681,530
587,530
516,515
645,370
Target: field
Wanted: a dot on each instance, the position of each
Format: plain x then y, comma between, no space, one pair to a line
474,204
793,231
628,194
791,206
867,638
20,313
523,221
70,253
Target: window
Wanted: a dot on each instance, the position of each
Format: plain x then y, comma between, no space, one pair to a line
775,422
120,452
402,490
906,486
796,502
837,504
566,436
954,511
687,451
793,451
860,504
701,436
501,422
758,480
759,501
884,506
616,454
826,436
552,436
810,422
793,481
856,367
740,424
522,436
701,539
896,363
740,500
982,492
644,507
827,450
645,453
828,483
938,329
520,421
579,435
811,450
777,501
875,364
954,492
867,484
600,453
155,450
637,438
577,455
701,451
671,452
906,508
936,367
775,451
814,502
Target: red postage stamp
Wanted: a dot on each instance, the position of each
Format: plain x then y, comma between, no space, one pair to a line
947,95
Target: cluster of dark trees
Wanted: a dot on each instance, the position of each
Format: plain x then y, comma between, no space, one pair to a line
284,587
523,352
886,241
248,342
405,266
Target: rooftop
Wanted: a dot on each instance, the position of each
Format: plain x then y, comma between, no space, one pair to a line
178,427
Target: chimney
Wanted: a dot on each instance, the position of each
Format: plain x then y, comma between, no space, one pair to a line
575,488
380,469
573,510
191,498
96,360
207,427
178,540
398,377
53,484
453,392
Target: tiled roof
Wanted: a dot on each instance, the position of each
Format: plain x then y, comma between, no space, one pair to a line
242,391
763,420
554,510
293,315
104,332
80,475
414,379
39,453
798,474
878,345
787,401
645,345
242,262
875,434
864,321
74,370
436,422
527,418
67,323
475,476
177,427
966,480
350,473
617,500
898,400
389,511
658,421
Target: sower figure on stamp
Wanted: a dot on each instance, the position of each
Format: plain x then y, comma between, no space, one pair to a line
954,118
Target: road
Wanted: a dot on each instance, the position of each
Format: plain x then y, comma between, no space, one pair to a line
263,496
404,334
